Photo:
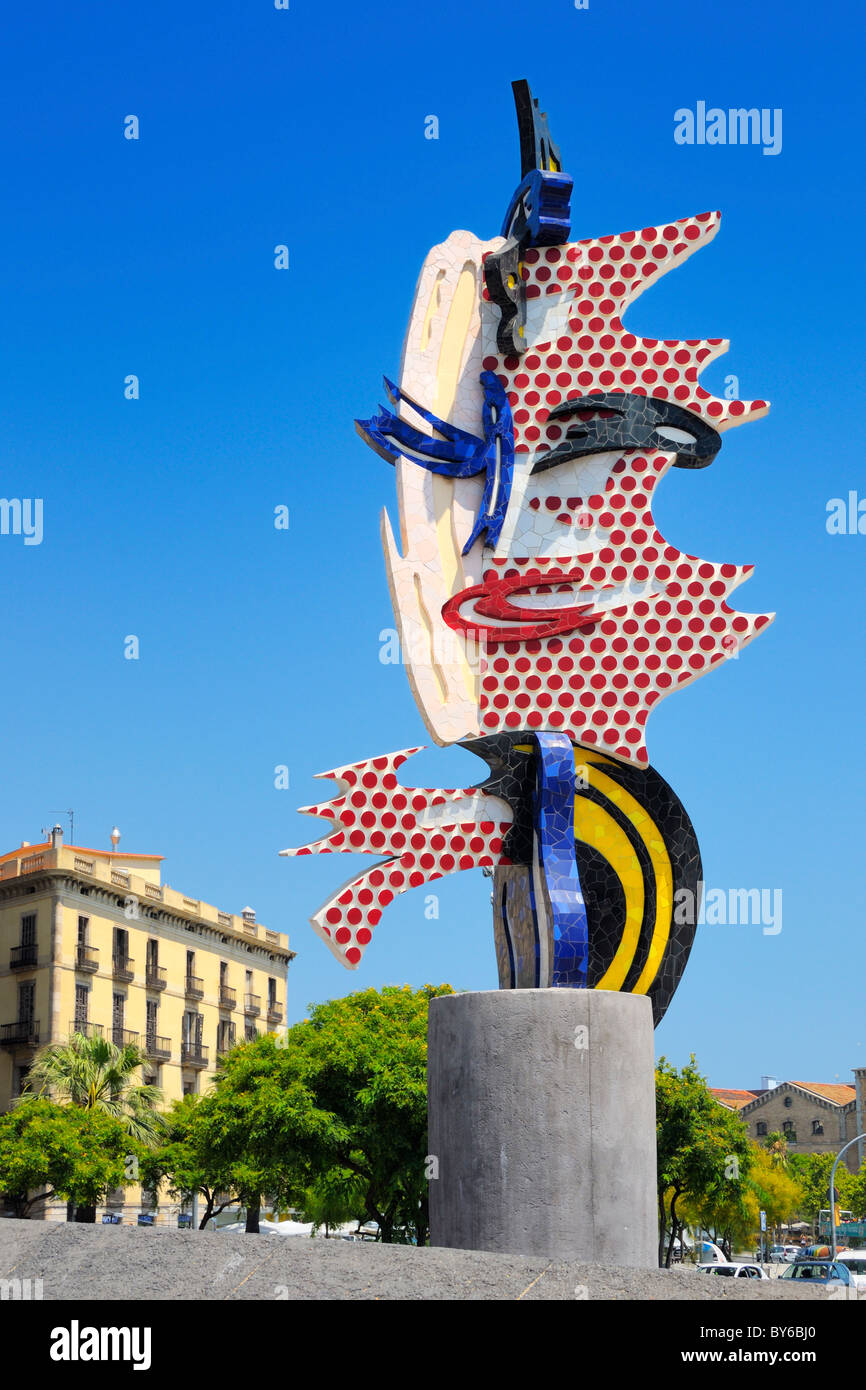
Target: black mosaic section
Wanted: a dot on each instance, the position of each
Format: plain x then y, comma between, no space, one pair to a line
512,776
605,909
672,821
633,422
513,779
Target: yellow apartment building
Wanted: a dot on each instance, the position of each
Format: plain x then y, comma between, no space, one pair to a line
92,941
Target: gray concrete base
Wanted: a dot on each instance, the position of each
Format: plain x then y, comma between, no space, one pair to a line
542,1122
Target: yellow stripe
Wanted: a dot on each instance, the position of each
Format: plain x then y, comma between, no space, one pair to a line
596,827
659,858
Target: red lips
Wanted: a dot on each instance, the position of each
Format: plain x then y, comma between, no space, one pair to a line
492,600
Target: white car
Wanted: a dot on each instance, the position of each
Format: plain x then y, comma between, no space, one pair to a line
856,1265
728,1269
783,1254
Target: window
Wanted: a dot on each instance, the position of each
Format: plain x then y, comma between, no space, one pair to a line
152,954
118,1004
272,993
83,923
121,944
224,973
817,1127
251,1032
21,1074
789,1131
761,1127
789,1101
28,929
81,996
190,962
26,1001
192,1030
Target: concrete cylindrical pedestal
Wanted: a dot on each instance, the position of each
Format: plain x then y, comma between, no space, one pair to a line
542,1122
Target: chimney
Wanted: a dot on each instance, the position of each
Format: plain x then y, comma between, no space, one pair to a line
248,914
56,837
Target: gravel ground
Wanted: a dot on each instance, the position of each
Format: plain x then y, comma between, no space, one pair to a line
132,1263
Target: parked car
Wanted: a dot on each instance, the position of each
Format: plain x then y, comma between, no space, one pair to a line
728,1269
784,1254
855,1263
832,1273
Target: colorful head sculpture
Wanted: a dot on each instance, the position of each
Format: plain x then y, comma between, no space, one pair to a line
541,612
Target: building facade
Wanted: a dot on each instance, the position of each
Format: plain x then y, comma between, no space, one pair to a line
92,942
814,1116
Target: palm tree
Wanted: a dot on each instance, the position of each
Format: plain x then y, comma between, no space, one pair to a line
776,1145
96,1074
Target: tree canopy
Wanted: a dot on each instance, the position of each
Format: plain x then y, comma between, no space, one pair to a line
49,1150
704,1157
95,1074
342,1093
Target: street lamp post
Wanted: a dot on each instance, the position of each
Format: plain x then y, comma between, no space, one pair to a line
842,1151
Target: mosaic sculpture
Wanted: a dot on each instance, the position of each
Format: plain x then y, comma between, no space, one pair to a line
541,613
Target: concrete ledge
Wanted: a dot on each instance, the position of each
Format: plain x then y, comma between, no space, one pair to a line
122,1264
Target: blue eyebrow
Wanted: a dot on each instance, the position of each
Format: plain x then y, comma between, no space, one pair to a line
458,454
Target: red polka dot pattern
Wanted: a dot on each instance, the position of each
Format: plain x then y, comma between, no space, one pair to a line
414,825
598,279
600,682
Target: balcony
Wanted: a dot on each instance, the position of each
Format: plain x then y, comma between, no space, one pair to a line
23,1033
123,1037
228,997
193,1055
85,1029
157,1047
122,968
157,977
23,957
253,1004
194,988
275,1012
87,958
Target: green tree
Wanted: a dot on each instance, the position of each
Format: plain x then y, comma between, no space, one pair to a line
183,1163
856,1193
247,1129
812,1172
49,1150
776,1145
334,1199
94,1074
775,1189
344,1090
703,1158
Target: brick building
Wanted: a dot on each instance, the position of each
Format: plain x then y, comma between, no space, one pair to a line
814,1116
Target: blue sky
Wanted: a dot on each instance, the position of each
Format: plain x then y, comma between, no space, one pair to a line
260,647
